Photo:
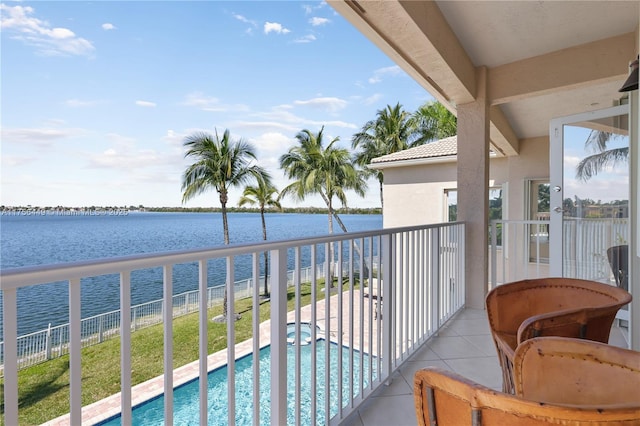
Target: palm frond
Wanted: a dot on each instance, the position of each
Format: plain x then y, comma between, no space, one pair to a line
594,164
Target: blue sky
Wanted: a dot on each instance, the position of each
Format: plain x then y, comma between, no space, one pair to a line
97,97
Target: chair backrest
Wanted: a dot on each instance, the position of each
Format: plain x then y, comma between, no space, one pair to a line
565,307
511,304
619,261
444,398
561,370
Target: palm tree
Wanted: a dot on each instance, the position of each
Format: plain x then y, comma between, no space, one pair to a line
603,157
326,171
221,164
395,130
262,195
391,131
434,122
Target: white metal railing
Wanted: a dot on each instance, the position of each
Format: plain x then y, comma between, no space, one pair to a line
520,248
585,244
53,342
419,285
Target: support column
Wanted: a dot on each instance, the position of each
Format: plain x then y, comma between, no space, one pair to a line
634,219
473,189
634,209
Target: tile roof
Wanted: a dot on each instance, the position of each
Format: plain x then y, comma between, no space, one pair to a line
443,148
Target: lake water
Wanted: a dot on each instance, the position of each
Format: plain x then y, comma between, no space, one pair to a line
47,239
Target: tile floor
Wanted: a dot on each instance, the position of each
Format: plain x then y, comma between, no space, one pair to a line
464,346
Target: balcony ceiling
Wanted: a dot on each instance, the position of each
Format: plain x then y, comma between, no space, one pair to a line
545,59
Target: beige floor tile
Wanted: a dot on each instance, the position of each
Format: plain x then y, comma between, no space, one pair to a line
454,347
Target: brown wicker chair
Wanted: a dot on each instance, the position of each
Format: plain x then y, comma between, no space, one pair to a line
564,307
560,370
444,398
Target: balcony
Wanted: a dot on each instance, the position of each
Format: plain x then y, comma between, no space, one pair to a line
421,321
417,270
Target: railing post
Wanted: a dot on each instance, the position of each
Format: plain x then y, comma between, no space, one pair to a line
48,342
278,337
75,345
125,347
388,352
167,317
494,252
100,328
435,280
10,333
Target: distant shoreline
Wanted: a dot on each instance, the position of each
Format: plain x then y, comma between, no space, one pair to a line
108,210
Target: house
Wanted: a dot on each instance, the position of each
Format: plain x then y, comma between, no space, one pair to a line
419,182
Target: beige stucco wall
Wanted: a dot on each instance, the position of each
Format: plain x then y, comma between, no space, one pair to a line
414,195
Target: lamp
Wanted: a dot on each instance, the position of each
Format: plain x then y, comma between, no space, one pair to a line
632,80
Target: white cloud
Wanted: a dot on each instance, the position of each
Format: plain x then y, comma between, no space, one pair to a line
372,99
39,34
306,39
275,28
272,142
124,155
280,120
242,18
146,104
265,125
40,137
16,160
326,103
308,9
198,99
317,21
174,139
77,103
107,26
211,103
383,72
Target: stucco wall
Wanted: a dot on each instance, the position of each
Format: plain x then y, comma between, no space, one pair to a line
414,195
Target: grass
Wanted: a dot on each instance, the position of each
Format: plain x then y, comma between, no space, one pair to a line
43,389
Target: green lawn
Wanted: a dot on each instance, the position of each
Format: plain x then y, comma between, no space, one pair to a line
44,389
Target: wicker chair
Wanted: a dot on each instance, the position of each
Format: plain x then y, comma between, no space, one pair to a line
444,398
560,370
564,307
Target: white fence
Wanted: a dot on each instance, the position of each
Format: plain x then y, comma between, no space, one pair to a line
419,284
522,251
43,345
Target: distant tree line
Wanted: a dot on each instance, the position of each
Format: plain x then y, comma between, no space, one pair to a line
304,210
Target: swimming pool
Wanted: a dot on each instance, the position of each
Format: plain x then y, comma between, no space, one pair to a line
186,398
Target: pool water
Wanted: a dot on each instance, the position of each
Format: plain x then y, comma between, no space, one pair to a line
186,398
